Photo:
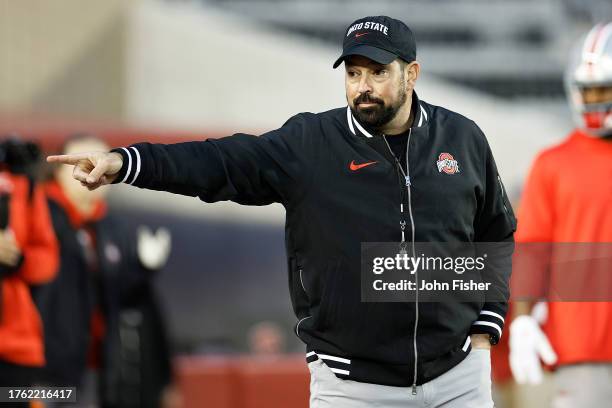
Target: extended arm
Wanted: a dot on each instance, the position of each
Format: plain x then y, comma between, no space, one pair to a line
274,167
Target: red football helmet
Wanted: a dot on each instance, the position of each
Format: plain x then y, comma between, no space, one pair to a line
589,81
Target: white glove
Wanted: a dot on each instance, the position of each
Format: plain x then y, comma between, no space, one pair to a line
153,248
527,345
539,312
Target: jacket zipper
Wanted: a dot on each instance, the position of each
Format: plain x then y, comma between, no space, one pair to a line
408,184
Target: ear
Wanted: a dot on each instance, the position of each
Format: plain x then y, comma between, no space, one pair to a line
412,72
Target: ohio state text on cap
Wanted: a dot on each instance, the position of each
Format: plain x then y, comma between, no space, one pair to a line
380,38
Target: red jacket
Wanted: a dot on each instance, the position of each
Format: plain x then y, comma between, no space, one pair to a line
567,199
21,333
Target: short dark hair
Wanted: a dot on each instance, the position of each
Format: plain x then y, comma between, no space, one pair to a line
403,64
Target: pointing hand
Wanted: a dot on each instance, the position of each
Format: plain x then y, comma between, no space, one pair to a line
92,169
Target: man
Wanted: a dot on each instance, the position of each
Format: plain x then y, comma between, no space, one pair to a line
378,170
567,200
107,271
28,255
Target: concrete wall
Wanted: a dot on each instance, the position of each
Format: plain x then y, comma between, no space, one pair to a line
62,56
191,66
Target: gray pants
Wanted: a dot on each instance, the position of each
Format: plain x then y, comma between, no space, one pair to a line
467,385
583,385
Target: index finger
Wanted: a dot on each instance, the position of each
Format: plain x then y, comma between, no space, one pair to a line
67,158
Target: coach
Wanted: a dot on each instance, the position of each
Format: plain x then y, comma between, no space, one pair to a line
388,167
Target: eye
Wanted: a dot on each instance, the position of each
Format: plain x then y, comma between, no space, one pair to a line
380,72
351,74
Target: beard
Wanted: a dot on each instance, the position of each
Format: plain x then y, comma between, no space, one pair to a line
379,114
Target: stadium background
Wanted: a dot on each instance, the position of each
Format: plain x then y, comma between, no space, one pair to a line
134,70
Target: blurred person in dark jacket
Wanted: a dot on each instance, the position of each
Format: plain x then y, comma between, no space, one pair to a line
28,255
104,331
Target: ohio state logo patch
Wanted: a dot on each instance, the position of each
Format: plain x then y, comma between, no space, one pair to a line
447,163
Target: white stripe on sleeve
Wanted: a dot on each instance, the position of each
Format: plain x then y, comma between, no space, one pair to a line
486,312
137,165
127,173
333,358
483,323
339,371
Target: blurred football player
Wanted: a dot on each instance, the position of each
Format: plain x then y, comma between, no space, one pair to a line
567,199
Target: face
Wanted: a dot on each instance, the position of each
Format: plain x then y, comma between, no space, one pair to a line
376,92
266,338
73,188
597,94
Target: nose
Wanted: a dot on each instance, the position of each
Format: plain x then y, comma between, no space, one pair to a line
364,84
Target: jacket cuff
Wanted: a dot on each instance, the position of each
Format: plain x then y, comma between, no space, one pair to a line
131,165
490,321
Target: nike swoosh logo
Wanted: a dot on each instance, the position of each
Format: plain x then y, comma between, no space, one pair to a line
355,167
360,34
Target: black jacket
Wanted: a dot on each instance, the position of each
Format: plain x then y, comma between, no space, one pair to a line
331,209
118,286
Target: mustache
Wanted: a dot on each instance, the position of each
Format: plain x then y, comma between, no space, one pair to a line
366,98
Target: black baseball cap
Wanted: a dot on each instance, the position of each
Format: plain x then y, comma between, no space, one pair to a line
379,38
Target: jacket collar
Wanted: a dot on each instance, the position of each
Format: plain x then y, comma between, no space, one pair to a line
421,118
77,219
